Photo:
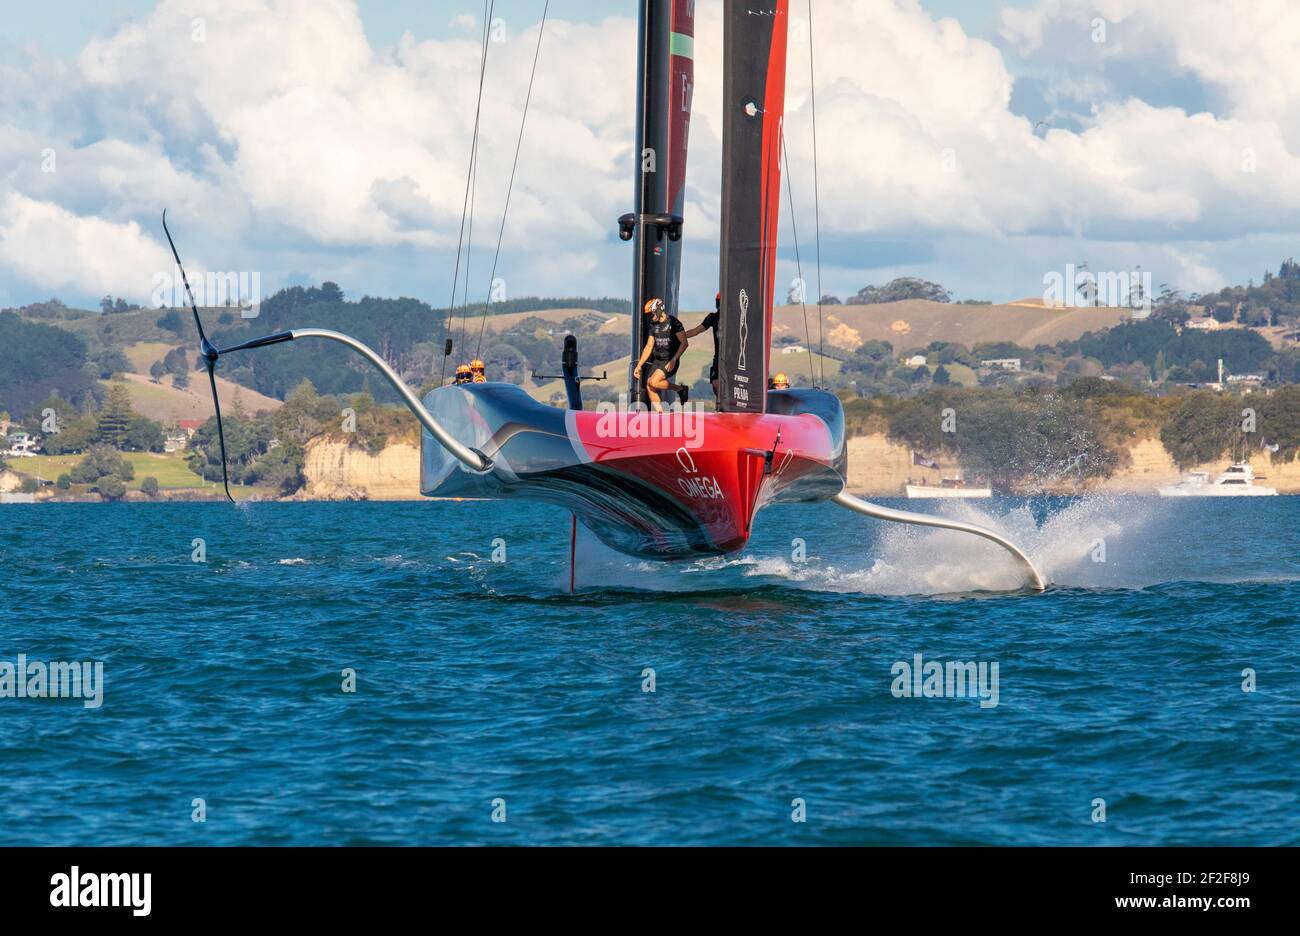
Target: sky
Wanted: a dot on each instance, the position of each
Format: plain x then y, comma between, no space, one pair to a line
982,145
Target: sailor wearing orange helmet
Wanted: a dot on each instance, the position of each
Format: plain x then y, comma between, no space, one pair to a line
665,343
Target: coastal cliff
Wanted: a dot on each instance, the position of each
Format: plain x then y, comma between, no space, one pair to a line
878,466
1152,468
338,471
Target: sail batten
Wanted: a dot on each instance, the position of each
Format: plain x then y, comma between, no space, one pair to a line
753,87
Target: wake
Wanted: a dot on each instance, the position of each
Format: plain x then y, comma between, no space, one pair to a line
1089,543
1071,548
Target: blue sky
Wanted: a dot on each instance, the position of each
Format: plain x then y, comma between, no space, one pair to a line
62,28
327,139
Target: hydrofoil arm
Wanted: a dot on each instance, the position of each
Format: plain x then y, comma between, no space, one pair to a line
1033,579
471,458
210,353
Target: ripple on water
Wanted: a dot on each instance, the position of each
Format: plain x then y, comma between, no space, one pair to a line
771,672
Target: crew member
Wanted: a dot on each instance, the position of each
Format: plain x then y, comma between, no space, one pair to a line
478,371
710,321
780,382
464,374
665,343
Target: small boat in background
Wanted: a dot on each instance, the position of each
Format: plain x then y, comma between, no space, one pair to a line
1237,481
954,487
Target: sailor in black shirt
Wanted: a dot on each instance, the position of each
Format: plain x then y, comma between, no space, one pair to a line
664,346
710,321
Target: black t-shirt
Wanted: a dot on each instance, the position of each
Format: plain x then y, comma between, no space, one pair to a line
711,321
665,337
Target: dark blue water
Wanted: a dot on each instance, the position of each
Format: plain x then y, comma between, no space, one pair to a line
478,680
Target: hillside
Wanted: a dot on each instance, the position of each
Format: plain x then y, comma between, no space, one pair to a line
519,341
914,323
605,322
911,323
166,404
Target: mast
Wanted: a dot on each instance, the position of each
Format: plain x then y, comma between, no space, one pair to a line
753,100
665,83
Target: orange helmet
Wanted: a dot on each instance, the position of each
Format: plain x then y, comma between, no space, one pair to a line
463,373
477,365
653,305
780,381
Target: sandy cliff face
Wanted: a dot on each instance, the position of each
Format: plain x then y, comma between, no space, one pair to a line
336,471
881,467
877,466
1152,468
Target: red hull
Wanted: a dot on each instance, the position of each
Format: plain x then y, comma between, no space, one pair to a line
657,486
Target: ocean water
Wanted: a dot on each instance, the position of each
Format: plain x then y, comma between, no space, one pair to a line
482,688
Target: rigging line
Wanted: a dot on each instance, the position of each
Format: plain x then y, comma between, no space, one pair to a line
798,264
455,280
817,221
451,309
473,195
511,185
469,249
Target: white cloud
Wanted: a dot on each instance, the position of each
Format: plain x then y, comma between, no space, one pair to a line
899,89
44,243
285,143
1243,53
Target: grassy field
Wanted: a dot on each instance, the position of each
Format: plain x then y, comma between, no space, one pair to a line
959,374
171,471
127,328
143,354
166,404
795,365
914,323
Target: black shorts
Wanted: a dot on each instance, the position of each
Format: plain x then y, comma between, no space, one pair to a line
661,365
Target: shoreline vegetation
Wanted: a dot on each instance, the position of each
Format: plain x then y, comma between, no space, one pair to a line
335,469
114,402
1091,434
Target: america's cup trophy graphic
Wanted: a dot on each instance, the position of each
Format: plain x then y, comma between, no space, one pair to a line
744,328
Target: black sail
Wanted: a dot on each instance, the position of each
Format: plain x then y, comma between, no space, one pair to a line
753,98
665,84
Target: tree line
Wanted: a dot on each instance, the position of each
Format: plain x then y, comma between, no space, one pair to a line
1027,439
